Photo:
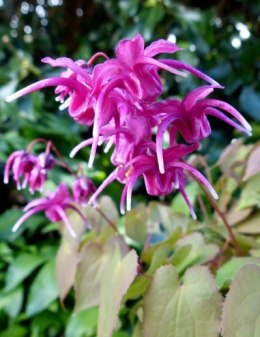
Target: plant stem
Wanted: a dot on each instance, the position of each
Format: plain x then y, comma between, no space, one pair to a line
111,223
223,218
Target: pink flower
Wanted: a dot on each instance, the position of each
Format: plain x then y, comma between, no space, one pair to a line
82,189
28,169
54,205
145,164
189,118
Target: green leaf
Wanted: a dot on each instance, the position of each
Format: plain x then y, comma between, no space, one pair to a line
147,255
137,288
82,324
174,310
135,223
250,195
118,275
14,331
14,301
199,251
43,291
21,268
241,311
227,272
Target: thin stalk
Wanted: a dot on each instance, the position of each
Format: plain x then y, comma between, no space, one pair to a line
223,218
111,223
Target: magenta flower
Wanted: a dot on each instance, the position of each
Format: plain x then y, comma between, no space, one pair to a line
54,205
82,189
145,164
189,118
28,169
120,99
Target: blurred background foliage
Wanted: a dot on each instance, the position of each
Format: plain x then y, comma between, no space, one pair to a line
219,37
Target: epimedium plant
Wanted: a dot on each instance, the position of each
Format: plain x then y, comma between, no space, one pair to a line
148,262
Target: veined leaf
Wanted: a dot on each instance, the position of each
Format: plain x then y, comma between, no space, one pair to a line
241,311
191,309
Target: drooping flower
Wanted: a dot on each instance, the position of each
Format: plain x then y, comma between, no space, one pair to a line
54,205
145,164
82,189
189,118
28,169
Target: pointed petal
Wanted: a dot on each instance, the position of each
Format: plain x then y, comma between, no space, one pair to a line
218,114
80,146
160,65
66,221
159,47
104,184
25,217
181,65
197,175
188,202
195,95
128,50
228,108
49,82
68,63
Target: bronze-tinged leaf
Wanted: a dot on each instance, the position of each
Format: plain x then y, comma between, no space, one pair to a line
253,163
118,275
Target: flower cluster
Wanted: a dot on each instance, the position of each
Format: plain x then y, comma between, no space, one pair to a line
31,170
121,99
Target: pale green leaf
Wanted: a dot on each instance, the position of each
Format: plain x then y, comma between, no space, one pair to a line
241,312
88,276
136,223
251,225
250,195
67,256
191,309
118,275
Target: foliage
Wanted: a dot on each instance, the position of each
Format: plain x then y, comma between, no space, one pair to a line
159,266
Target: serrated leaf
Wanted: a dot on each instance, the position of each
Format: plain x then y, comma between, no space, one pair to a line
118,275
241,311
191,309
227,272
43,291
20,268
